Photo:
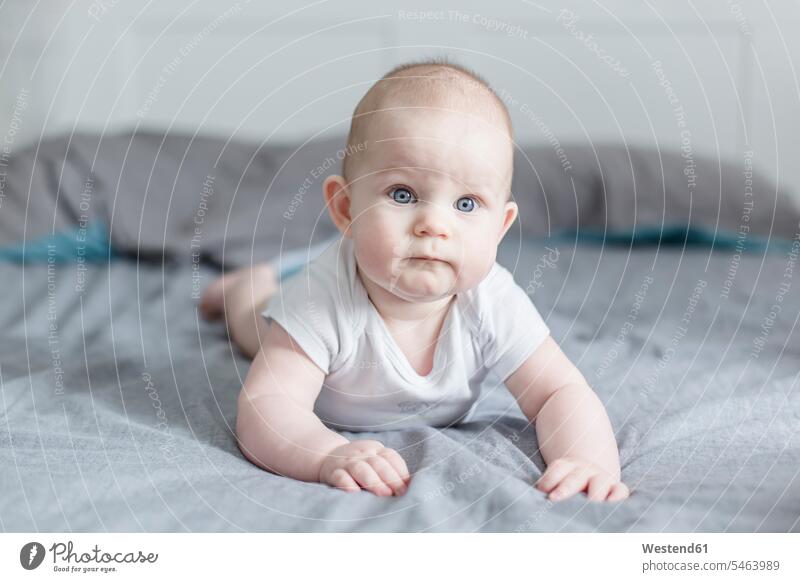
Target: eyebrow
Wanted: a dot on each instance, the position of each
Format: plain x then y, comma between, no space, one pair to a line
399,169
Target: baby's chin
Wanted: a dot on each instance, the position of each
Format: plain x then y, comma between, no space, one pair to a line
421,287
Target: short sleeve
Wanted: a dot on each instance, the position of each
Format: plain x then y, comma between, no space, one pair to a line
511,326
305,306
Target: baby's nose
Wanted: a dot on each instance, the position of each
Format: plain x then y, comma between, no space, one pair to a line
431,221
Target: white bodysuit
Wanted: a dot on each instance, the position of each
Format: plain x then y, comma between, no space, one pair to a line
369,383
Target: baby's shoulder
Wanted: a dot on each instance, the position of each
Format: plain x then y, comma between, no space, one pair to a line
477,303
492,299
318,306
318,276
497,282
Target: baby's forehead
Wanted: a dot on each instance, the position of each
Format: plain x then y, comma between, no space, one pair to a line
423,156
470,149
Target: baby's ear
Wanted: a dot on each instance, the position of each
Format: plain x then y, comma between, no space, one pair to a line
337,199
509,215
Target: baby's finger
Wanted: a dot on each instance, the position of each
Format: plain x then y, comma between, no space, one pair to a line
571,484
396,461
619,492
366,476
341,479
553,475
387,474
599,487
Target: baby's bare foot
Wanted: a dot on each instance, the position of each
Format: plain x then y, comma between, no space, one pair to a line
254,285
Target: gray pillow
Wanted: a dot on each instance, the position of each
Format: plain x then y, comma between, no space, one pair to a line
174,197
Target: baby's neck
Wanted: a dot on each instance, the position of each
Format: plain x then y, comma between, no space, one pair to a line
394,310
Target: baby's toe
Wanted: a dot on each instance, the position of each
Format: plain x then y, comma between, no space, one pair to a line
211,302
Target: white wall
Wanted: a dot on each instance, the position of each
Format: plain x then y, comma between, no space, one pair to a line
284,71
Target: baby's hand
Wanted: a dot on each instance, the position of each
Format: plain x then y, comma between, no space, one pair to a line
365,464
567,476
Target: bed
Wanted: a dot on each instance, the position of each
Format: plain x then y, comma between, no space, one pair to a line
118,400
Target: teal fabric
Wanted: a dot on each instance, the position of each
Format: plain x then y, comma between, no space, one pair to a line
92,245
675,235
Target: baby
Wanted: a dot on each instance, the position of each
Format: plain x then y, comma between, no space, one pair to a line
399,320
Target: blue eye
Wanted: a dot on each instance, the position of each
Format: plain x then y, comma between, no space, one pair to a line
401,195
465,204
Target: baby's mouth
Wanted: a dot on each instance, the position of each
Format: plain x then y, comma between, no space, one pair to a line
424,261
424,258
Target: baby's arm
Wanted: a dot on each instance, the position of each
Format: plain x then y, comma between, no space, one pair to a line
574,432
278,430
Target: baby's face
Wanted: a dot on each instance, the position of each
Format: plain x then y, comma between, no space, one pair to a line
428,202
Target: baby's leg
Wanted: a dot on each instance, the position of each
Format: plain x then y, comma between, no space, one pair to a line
241,296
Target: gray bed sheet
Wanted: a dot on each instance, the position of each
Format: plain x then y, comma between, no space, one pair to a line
118,404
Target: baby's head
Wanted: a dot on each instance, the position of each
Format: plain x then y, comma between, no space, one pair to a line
427,173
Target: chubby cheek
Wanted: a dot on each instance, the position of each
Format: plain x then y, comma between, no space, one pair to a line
378,240
475,262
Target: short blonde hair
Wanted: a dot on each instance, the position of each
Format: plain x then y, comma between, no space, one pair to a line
427,81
